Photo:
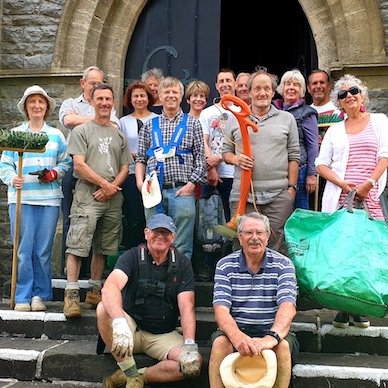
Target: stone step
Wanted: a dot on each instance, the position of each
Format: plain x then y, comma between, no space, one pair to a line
56,361
312,327
14,383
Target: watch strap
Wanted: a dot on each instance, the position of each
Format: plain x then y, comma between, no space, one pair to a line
274,335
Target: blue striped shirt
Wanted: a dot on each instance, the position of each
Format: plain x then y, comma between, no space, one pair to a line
54,157
254,298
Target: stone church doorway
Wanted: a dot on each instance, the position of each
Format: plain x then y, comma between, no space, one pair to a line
193,39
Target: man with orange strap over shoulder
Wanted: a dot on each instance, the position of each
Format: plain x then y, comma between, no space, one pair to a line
275,160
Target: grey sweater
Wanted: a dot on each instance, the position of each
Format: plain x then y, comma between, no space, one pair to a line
273,147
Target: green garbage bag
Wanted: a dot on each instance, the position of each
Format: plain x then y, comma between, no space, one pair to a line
341,259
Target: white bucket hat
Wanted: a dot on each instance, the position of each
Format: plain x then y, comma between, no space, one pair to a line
36,89
150,191
249,372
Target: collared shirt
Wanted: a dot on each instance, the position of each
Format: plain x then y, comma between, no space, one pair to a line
254,298
193,168
81,107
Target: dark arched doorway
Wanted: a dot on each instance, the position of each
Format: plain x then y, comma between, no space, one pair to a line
274,35
193,39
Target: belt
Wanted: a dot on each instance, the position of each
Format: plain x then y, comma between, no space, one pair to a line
173,185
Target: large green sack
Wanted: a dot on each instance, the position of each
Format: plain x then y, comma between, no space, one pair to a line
341,259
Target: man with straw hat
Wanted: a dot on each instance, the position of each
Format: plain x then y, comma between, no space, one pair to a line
254,304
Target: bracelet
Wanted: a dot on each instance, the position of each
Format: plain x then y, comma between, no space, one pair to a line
372,181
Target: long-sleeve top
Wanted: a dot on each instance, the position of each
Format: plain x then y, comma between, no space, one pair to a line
334,153
55,157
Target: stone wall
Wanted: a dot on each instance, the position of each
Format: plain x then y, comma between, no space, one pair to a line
50,42
28,33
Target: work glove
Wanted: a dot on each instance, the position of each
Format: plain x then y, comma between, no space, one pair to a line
45,175
122,343
190,359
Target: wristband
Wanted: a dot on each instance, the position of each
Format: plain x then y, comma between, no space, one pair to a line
189,341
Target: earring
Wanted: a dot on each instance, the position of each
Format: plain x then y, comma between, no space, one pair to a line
362,108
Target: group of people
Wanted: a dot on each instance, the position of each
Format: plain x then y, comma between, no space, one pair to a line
110,166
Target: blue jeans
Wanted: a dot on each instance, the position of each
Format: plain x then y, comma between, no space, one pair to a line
37,230
182,210
302,197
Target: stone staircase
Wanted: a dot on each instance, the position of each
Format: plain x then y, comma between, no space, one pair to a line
44,349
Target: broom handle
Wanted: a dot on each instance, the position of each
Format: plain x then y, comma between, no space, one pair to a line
16,233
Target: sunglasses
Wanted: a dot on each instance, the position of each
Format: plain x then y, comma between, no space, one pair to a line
353,91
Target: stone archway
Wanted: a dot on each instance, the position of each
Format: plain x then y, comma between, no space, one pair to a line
347,34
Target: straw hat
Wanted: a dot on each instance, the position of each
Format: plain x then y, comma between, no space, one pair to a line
36,89
150,191
249,372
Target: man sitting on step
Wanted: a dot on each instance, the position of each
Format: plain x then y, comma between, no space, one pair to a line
254,302
149,288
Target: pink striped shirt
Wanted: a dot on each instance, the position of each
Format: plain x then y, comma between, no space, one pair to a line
362,161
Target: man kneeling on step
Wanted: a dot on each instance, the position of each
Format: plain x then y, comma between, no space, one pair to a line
142,298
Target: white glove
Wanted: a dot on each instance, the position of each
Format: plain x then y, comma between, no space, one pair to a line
122,338
190,359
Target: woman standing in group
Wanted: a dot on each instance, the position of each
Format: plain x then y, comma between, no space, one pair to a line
138,97
292,88
354,156
197,93
41,196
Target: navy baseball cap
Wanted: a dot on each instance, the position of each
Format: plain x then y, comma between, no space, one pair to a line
161,220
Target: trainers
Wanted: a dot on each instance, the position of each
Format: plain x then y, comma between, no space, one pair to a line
93,297
115,380
22,307
71,307
37,304
360,321
135,381
341,321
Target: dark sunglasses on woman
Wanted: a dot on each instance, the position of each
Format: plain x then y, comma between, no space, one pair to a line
353,91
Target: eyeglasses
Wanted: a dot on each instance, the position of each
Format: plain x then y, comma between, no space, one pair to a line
162,231
251,233
354,90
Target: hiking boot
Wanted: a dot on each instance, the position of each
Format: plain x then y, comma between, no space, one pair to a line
341,321
22,307
37,304
115,380
71,307
360,321
135,381
93,297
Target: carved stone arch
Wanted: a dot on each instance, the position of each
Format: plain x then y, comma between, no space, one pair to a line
346,33
96,32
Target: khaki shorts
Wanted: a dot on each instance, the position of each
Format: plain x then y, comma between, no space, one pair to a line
156,346
94,224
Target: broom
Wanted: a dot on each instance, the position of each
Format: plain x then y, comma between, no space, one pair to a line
241,110
20,142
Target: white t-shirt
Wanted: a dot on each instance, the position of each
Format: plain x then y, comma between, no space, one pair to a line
328,108
213,121
128,125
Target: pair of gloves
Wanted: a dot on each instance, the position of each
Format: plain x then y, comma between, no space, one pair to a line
122,346
45,175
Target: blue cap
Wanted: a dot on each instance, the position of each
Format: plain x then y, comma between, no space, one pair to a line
161,220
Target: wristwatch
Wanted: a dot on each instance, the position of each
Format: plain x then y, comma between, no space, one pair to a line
372,181
274,335
295,187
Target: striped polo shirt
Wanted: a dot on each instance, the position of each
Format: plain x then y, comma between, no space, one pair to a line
254,298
